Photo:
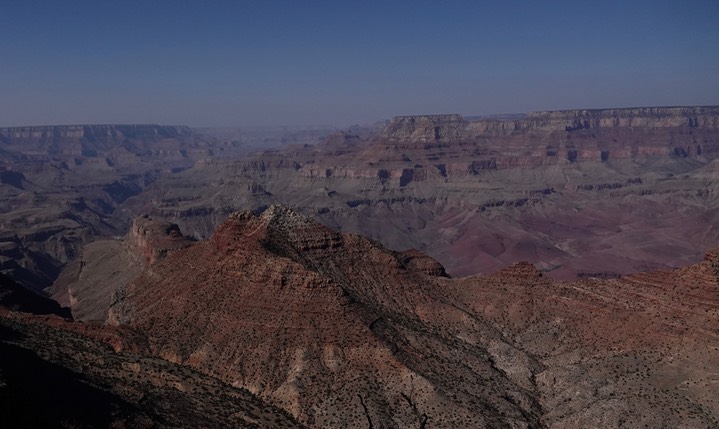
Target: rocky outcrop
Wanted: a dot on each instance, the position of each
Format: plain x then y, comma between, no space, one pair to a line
425,128
154,239
421,262
86,285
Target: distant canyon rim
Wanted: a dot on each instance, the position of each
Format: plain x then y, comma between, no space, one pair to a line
579,193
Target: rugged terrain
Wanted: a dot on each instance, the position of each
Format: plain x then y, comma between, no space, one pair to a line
580,193
55,373
340,331
585,193
62,187
195,313
277,321
87,284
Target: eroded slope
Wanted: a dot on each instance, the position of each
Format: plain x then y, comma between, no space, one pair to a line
341,331
322,324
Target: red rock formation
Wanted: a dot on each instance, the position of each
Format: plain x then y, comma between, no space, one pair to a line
314,321
103,266
155,239
340,331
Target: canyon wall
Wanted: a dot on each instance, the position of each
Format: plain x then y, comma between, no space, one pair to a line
480,194
455,127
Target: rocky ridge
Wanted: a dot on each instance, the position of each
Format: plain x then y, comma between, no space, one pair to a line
338,330
325,325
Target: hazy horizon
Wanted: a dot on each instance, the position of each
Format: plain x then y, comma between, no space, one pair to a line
273,63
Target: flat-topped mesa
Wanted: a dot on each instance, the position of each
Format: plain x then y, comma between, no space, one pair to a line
431,128
446,117
653,117
90,133
706,117
426,128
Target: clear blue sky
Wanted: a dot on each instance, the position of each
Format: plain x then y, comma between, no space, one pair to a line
218,62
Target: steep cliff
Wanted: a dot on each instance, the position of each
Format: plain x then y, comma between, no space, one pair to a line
425,128
428,128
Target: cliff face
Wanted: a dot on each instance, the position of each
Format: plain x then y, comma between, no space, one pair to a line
101,147
453,127
426,128
551,137
649,117
480,198
153,239
53,134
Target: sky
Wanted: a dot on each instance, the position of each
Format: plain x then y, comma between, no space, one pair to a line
259,63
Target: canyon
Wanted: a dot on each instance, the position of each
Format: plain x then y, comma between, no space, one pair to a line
549,270
578,193
279,321
62,187
582,193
